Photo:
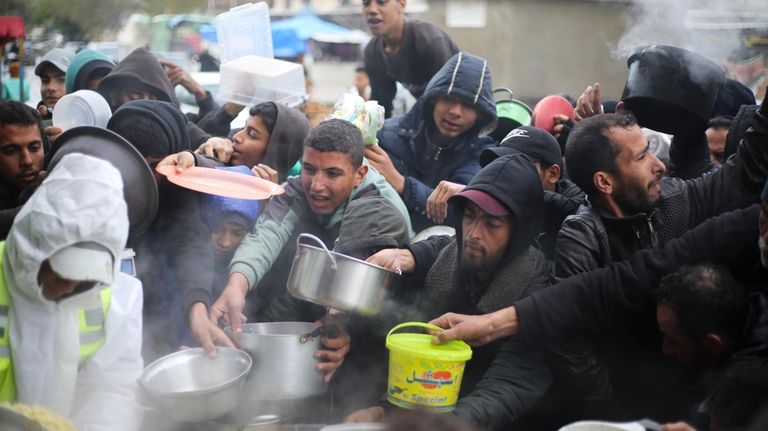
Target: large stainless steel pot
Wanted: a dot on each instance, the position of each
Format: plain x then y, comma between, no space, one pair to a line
335,280
283,361
191,387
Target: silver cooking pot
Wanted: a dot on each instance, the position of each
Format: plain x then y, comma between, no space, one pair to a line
335,280
191,387
283,362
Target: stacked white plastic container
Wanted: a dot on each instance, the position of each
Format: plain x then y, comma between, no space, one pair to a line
249,72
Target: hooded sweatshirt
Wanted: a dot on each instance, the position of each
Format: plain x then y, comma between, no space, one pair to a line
82,65
141,69
219,210
521,269
522,266
286,142
173,258
80,200
168,116
406,139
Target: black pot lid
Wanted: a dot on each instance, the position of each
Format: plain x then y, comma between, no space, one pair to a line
139,187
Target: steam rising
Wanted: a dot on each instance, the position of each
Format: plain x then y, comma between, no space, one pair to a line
708,27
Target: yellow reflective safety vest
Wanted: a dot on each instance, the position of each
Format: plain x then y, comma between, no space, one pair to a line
90,323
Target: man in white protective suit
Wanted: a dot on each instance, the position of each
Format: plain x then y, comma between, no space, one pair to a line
70,321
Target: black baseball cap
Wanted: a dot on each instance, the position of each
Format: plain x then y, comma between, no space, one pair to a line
536,143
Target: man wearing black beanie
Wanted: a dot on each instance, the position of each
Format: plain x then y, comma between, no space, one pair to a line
174,258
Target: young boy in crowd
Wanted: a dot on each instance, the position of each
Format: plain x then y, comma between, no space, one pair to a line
270,144
439,138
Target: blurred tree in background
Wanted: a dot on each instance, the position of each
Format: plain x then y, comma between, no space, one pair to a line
88,19
78,19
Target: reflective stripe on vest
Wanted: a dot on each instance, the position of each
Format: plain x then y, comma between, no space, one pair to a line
90,323
7,379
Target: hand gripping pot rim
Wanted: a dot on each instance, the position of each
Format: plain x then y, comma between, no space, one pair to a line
421,374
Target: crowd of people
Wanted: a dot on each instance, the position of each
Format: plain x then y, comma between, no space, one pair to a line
594,277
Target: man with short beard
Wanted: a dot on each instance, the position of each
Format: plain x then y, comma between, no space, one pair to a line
490,263
631,204
616,307
493,259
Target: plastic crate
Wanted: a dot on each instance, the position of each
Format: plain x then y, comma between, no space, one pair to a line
244,30
250,80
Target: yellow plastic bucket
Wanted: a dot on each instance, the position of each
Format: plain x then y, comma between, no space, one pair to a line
421,374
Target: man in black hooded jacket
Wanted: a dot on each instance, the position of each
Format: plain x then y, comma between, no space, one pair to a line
141,76
561,197
491,262
174,259
615,304
632,206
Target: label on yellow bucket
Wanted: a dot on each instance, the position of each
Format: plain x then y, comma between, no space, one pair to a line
422,375
419,383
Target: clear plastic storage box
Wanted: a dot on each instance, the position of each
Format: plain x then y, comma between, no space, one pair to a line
244,30
251,79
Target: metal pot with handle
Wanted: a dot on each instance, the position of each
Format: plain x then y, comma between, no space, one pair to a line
512,113
332,279
188,386
283,360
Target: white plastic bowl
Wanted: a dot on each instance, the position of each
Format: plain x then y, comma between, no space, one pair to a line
81,108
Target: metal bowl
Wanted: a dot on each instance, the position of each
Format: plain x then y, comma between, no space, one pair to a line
191,387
